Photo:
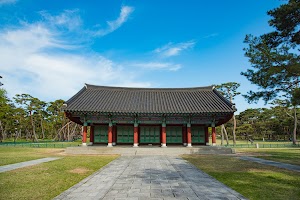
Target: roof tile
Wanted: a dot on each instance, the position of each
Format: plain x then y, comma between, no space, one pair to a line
149,100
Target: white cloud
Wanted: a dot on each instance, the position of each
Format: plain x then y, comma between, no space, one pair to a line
29,38
3,2
35,59
115,24
171,49
69,19
158,66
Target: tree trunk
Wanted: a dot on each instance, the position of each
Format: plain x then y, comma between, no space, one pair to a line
2,132
73,132
226,135
62,130
234,124
18,134
295,126
43,133
233,131
68,132
56,134
27,134
33,127
222,134
64,135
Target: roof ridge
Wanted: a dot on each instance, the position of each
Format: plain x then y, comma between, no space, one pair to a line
88,86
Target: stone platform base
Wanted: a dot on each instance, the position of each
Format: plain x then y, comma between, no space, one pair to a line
146,150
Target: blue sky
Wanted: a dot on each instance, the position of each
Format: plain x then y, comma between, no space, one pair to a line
49,49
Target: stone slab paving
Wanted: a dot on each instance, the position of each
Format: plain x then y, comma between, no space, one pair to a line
272,163
149,177
10,167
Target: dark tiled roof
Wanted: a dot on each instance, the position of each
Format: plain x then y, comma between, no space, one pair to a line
148,100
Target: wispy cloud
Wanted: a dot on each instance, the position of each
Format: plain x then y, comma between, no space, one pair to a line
211,35
68,19
158,66
36,59
4,2
171,49
115,24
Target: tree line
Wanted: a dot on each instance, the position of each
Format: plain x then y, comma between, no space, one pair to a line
32,119
29,118
272,124
276,123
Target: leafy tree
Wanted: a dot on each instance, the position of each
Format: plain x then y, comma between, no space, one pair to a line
6,109
275,59
56,116
33,107
21,123
247,121
229,90
30,118
262,123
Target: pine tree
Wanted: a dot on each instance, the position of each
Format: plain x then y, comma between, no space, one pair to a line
275,59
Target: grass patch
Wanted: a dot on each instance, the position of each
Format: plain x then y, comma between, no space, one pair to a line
291,156
10,155
253,180
260,142
47,180
41,144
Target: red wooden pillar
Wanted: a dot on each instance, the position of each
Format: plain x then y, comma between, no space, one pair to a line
92,129
163,135
109,135
114,135
206,136
189,135
213,135
84,133
184,141
136,135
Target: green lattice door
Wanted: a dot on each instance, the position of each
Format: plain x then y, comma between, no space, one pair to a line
124,134
100,134
149,134
174,134
198,134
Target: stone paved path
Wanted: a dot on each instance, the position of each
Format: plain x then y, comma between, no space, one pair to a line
149,177
272,163
10,167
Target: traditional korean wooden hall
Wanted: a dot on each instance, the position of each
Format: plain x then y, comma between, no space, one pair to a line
143,116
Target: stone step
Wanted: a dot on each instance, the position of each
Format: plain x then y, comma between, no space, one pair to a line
144,150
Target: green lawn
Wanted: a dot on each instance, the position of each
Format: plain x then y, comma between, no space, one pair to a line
41,144
46,180
260,142
10,155
291,156
39,140
253,180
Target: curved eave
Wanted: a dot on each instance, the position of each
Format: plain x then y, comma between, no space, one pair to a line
220,121
155,113
223,121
